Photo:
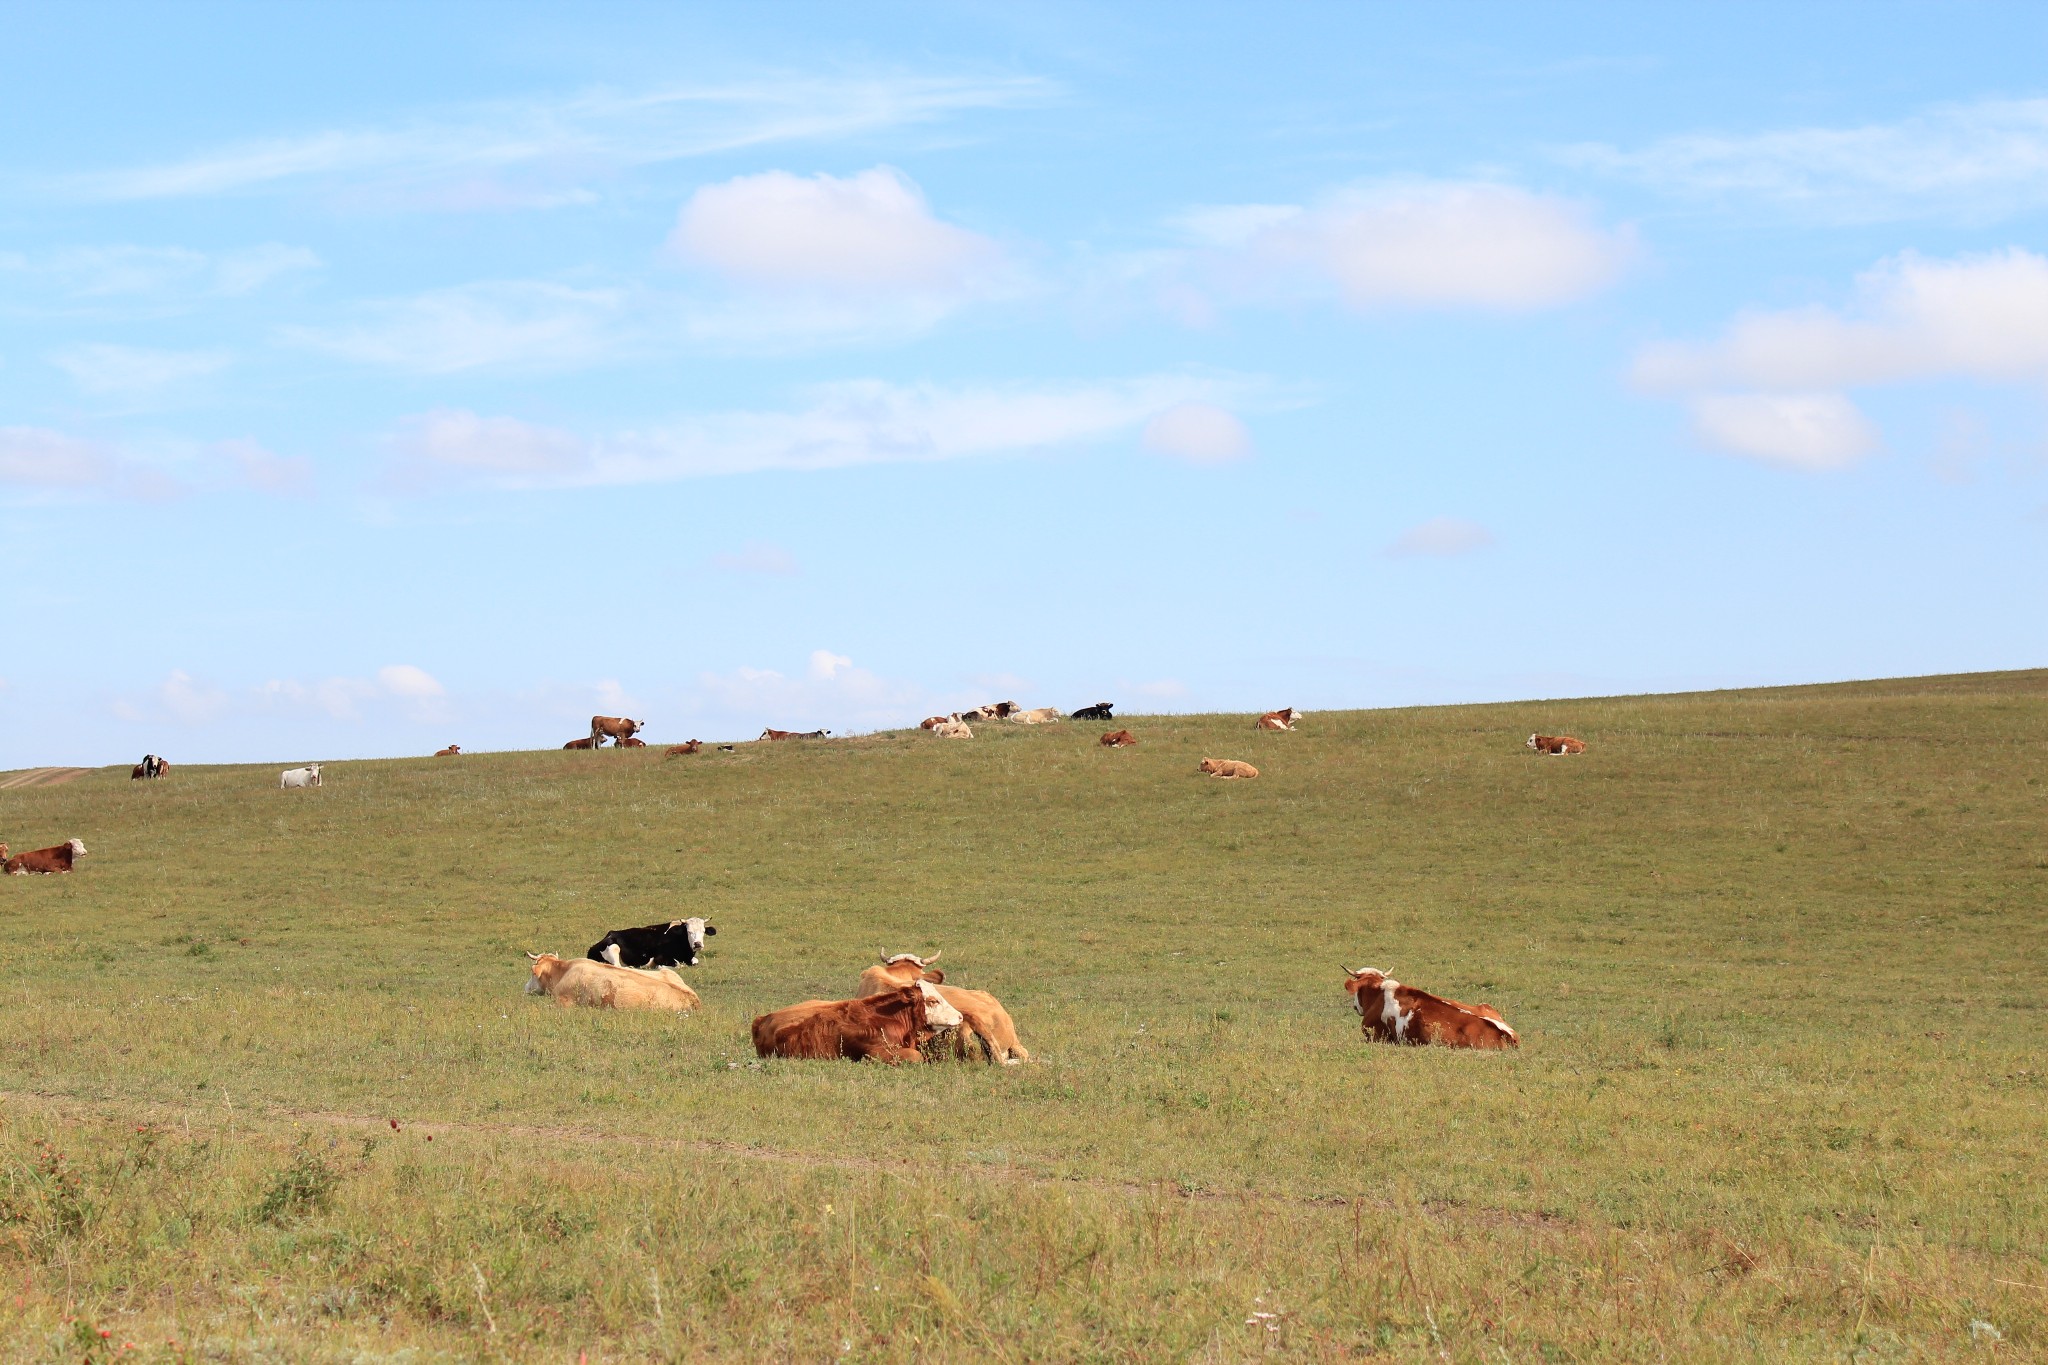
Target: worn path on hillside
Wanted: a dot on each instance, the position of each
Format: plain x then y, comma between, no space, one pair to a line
41,777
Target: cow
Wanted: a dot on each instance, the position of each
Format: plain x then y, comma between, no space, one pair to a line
151,766
584,743
1390,1012
1277,720
1556,744
631,743
1038,715
448,752
308,776
795,734
934,722
678,750
1227,767
883,1028
995,710
577,981
43,860
613,727
954,729
1118,739
680,942
984,1014
1099,711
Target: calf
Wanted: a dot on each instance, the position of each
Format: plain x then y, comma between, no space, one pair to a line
308,776
982,1012
794,734
631,743
584,743
43,860
680,942
1227,767
1118,739
1393,1013
1099,711
576,981
1277,720
448,752
1556,744
613,727
678,750
883,1028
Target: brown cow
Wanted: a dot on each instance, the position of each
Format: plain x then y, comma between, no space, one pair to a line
795,734
584,743
1393,1013
984,1014
883,1028
579,981
1277,720
1227,767
613,727
1118,739
448,752
44,860
630,743
934,722
151,766
678,750
1556,744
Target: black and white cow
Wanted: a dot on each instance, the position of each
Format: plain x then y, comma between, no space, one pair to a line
678,943
1099,711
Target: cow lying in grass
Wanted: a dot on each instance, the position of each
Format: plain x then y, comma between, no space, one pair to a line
1556,744
772,733
953,729
448,752
308,776
1038,715
678,750
679,943
984,1014
1227,767
1099,711
43,860
151,766
599,985
1277,720
1393,1013
885,1028
1118,739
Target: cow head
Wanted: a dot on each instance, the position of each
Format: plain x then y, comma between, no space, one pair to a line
1533,742
938,1010
77,847
547,969
694,931
905,964
1363,982
1209,765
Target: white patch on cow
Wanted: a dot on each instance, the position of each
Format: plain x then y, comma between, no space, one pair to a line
938,1010
1502,1027
611,954
1390,1013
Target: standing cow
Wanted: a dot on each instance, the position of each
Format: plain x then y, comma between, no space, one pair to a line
151,766
308,776
614,728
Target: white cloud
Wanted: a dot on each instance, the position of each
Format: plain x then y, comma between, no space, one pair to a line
857,423
542,153
40,457
1967,160
284,475
190,702
1442,536
833,694
757,557
135,371
1427,244
518,324
410,687
1812,431
128,271
825,665
409,680
1200,433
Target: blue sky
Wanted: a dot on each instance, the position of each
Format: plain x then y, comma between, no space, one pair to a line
378,377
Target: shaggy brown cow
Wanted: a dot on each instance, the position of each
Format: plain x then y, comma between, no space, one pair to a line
584,743
1118,739
1227,767
678,750
983,1013
613,727
883,1028
1277,720
1393,1013
579,981
44,860
1556,744
448,752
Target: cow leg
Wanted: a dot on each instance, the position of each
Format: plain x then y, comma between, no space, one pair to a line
611,954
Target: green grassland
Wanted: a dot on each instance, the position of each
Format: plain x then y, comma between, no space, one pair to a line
1779,960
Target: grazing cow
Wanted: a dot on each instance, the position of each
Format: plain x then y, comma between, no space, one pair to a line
953,729
151,766
795,734
448,752
1227,767
984,1013
584,743
1118,739
678,750
1099,711
308,776
680,942
613,727
1038,715
1393,1013
883,1028
630,743
1277,720
44,860
577,981
1556,744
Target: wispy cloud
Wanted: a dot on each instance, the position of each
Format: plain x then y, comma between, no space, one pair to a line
1962,160
857,423
126,272
1441,537
514,324
135,371
1199,433
40,461
544,152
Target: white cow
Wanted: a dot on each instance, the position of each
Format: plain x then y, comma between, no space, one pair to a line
1040,715
953,729
308,776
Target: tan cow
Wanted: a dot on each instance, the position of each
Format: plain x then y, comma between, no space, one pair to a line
448,752
983,1012
1038,715
614,728
1118,739
1393,1013
954,729
1556,744
1227,767
1277,720
579,981
678,750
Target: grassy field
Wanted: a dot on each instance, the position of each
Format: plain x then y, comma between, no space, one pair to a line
1779,960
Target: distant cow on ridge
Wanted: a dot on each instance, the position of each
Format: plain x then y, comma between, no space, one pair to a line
613,727
795,734
448,752
308,776
1099,711
151,766
1556,744
1278,720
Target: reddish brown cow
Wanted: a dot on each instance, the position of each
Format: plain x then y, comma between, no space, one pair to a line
44,860
448,752
1393,1013
772,733
883,1028
1277,720
934,722
630,743
613,727
678,750
1118,739
584,743
1556,744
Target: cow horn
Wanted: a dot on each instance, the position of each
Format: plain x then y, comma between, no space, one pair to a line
1349,972
929,961
534,956
882,958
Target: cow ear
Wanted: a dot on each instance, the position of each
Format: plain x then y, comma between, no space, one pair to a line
710,929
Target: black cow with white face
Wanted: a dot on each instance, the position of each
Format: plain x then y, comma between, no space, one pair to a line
679,943
1099,711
